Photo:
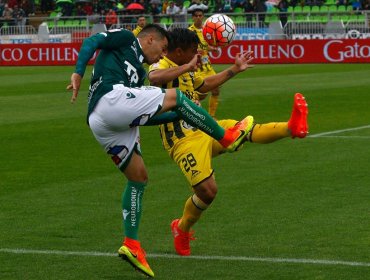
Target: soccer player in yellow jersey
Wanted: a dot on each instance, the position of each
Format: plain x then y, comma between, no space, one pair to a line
141,22
191,149
206,68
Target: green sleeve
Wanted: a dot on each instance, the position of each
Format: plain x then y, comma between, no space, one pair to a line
165,117
109,40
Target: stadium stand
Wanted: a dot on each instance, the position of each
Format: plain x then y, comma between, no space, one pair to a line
81,16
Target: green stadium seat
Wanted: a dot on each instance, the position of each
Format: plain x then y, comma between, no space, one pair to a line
187,3
306,9
298,9
324,8
272,18
315,9
238,10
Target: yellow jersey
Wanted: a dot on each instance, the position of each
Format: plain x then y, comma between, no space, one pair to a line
203,46
187,83
137,30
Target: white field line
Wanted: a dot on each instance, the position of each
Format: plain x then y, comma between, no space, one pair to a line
339,131
172,256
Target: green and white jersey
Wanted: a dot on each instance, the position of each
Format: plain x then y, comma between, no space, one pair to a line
118,62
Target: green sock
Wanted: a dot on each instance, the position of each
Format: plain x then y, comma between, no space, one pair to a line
197,116
132,208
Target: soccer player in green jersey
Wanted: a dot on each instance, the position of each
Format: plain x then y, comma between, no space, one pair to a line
191,149
118,103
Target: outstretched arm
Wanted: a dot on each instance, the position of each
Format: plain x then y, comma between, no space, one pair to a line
241,64
112,39
158,77
88,48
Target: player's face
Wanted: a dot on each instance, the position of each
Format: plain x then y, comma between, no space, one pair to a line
188,54
198,18
141,22
156,50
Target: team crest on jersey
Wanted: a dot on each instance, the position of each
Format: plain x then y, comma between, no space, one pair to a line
141,120
194,173
118,153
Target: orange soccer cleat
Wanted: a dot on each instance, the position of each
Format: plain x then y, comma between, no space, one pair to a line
181,239
297,123
132,252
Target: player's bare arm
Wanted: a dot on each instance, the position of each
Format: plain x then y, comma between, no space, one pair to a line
161,76
242,63
74,86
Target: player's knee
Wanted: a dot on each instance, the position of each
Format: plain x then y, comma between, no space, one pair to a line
206,191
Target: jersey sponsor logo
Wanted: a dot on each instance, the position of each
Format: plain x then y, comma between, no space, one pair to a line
130,95
194,173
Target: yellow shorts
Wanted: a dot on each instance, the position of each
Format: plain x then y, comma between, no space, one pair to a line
193,154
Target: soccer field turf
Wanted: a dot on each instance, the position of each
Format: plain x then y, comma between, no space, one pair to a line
294,209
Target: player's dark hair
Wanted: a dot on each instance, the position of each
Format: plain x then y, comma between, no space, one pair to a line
197,10
154,28
182,38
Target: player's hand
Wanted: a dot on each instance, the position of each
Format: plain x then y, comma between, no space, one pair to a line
243,59
195,63
74,86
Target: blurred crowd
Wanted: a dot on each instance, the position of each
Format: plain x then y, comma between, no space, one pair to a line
16,12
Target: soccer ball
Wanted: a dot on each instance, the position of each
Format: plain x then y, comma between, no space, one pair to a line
219,30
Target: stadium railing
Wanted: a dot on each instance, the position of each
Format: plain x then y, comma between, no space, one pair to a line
299,23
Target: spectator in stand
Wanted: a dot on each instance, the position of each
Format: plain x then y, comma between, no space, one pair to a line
283,9
2,4
141,22
165,4
248,10
356,6
261,9
46,6
25,5
80,12
88,9
342,2
67,8
218,6
366,5
227,8
155,11
110,18
12,3
172,10
7,16
19,18
182,16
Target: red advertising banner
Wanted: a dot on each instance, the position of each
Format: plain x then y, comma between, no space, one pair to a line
39,54
265,51
298,51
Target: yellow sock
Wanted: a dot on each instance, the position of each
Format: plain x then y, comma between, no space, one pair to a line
212,105
269,132
193,209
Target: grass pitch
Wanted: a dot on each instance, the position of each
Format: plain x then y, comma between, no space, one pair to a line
294,209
